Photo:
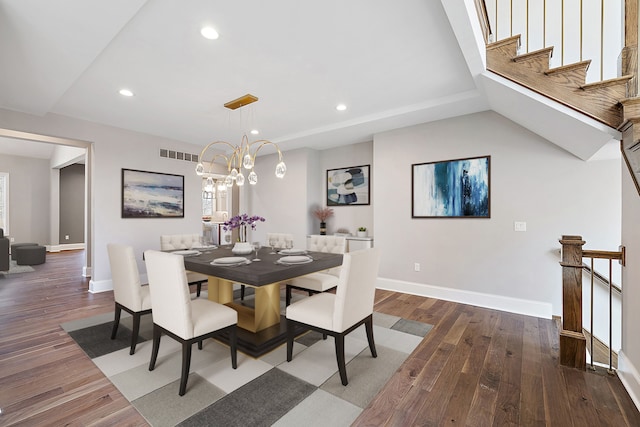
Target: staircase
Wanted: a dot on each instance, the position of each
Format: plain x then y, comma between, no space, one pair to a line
566,84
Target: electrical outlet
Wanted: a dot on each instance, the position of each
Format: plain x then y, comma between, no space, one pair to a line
66,237
416,266
519,226
12,239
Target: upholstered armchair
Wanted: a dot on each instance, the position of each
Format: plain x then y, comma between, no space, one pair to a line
4,252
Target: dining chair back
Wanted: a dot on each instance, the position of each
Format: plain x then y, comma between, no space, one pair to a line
128,292
172,242
340,313
169,242
183,319
321,281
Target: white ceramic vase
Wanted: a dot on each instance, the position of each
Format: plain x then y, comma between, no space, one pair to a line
242,248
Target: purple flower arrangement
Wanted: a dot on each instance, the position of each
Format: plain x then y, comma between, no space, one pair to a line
240,220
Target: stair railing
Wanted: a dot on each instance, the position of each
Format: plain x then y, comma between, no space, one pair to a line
572,339
577,30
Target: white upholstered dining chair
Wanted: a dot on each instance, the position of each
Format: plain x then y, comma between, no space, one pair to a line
171,242
340,313
128,292
178,316
322,281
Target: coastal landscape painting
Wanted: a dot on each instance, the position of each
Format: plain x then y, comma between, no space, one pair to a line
152,194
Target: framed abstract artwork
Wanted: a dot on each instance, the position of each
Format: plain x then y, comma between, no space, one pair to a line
348,186
452,189
152,194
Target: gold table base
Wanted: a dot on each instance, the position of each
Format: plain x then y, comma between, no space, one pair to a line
267,304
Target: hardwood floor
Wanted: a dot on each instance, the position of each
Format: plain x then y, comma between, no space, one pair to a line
476,367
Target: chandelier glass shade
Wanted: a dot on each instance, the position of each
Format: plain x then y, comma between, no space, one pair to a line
241,157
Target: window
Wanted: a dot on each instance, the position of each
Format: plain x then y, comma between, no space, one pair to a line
4,200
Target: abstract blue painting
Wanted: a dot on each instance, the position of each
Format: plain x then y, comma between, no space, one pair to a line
152,195
452,189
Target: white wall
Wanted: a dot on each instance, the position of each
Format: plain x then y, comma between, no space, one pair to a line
629,357
283,202
483,261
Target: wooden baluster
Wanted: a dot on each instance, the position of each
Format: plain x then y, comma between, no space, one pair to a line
573,348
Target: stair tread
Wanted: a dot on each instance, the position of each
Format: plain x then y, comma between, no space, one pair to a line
504,42
609,82
525,56
570,67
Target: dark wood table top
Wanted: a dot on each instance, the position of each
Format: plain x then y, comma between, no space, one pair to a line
258,273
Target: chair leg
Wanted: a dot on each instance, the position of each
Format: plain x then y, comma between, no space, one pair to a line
134,332
290,337
287,296
242,292
116,322
200,345
198,289
340,357
157,333
233,345
186,363
369,327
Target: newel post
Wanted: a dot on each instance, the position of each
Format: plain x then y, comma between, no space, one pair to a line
573,349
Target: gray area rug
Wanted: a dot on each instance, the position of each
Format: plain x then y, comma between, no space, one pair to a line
261,392
14,268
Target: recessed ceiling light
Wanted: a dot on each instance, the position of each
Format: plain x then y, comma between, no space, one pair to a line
255,132
126,92
341,107
209,33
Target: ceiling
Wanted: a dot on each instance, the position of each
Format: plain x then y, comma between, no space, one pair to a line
391,66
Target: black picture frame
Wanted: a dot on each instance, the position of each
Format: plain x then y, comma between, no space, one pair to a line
148,194
350,186
458,188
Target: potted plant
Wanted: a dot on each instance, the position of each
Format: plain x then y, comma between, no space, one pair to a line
323,214
362,231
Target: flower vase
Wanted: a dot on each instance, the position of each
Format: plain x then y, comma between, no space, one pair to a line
242,247
323,228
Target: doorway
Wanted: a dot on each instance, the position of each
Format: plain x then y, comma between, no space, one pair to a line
88,161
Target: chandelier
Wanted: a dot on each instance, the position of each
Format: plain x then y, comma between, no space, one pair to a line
238,157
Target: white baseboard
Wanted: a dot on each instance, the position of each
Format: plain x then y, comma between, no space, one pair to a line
87,271
496,302
629,377
66,247
96,286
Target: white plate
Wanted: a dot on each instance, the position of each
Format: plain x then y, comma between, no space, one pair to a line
293,251
230,260
295,260
187,252
204,247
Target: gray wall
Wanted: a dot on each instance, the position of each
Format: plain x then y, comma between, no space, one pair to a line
28,198
72,201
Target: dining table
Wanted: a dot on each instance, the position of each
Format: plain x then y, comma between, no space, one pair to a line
261,328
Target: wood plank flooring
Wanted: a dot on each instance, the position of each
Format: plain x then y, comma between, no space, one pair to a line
477,367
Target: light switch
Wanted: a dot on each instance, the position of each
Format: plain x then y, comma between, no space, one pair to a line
519,226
